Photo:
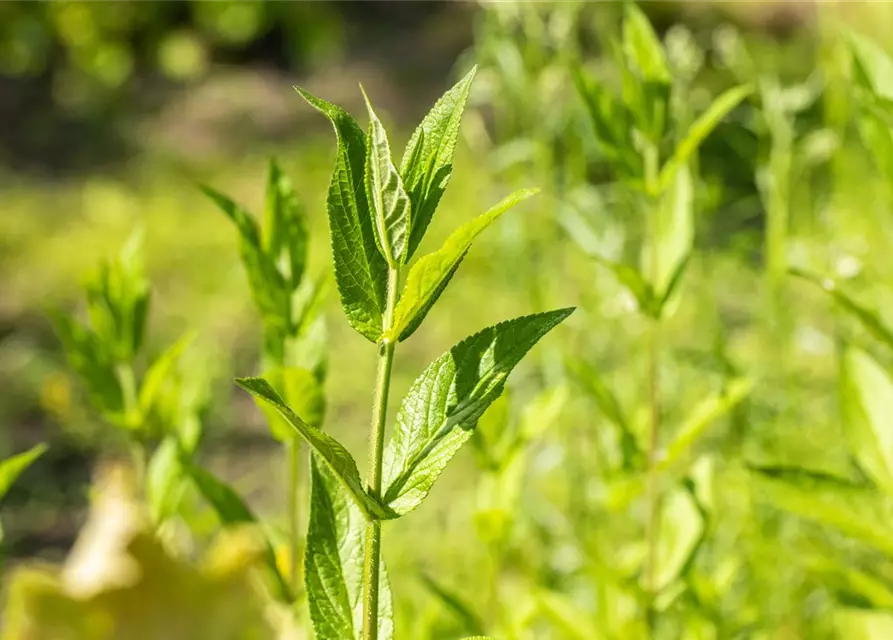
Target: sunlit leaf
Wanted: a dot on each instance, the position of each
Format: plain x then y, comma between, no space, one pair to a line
388,202
642,46
674,234
360,270
443,405
429,276
164,480
428,159
334,562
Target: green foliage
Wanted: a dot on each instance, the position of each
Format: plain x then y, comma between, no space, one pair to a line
334,561
427,163
274,258
857,510
337,459
442,408
867,399
360,270
431,273
443,405
389,204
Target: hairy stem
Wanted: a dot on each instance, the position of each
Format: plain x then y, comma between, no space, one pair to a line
372,562
652,516
294,511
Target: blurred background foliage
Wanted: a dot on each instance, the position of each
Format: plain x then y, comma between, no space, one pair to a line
111,112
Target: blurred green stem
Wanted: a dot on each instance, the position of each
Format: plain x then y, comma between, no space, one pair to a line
778,173
294,507
652,520
372,562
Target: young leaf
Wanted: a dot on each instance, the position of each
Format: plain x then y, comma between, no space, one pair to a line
268,288
232,510
867,398
427,163
443,405
612,122
429,276
681,530
389,204
699,130
92,362
333,562
14,466
856,511
703,414
642,47
286,228
335,456
360,270
869,319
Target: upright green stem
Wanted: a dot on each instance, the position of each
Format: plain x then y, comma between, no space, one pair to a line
372,561
127,380
652,517
294,510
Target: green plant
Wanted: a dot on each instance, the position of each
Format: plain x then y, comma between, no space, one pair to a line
274,257
378,216
159,416
651,142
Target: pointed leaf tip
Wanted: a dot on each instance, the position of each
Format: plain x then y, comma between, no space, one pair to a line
430,275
